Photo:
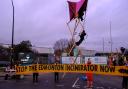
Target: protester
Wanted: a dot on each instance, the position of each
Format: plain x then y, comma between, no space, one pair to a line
7,72
56,74
125,78
89,76
82,35
125,63
115,60
35,75
120,60
110,61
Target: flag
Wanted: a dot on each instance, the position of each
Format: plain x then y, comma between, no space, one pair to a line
76,9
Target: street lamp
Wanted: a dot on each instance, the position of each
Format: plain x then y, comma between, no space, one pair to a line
111,41
12,44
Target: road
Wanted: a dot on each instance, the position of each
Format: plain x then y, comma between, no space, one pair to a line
67,81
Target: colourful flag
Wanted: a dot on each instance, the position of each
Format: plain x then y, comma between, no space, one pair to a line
76,9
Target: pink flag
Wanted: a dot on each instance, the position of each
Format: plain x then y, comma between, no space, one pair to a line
74,8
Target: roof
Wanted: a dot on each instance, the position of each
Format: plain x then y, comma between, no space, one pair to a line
87,52
43,50
4,62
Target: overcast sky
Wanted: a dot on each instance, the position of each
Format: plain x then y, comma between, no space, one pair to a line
44,21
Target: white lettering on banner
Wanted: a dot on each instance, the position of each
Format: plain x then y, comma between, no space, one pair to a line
97,60
70,60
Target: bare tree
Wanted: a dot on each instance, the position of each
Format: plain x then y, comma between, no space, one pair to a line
70,45
60,46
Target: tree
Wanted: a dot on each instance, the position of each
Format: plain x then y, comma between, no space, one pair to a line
64,45
24,46
4,53
70,45
60,46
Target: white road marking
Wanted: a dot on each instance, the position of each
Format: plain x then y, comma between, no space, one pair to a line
60,85
63,75
74,85
99,87
77,86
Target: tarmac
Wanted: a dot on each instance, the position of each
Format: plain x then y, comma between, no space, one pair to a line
66,81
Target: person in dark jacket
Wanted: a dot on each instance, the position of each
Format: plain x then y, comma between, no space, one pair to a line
124,52
35,75
125,78
56,74
82,35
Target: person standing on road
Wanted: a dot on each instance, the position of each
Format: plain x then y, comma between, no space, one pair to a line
125,78
35,75
7,70
89,76
56,74
124,52
110,60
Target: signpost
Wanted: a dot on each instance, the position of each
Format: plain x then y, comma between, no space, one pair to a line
26,58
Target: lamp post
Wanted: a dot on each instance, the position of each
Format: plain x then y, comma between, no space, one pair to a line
111,41
12,44
103,44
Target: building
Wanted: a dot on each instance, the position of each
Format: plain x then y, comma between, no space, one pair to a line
88,53
45,55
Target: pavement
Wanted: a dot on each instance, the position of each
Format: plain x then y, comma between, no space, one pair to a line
67,81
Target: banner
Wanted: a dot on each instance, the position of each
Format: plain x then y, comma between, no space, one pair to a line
70,60
97,60
78,68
